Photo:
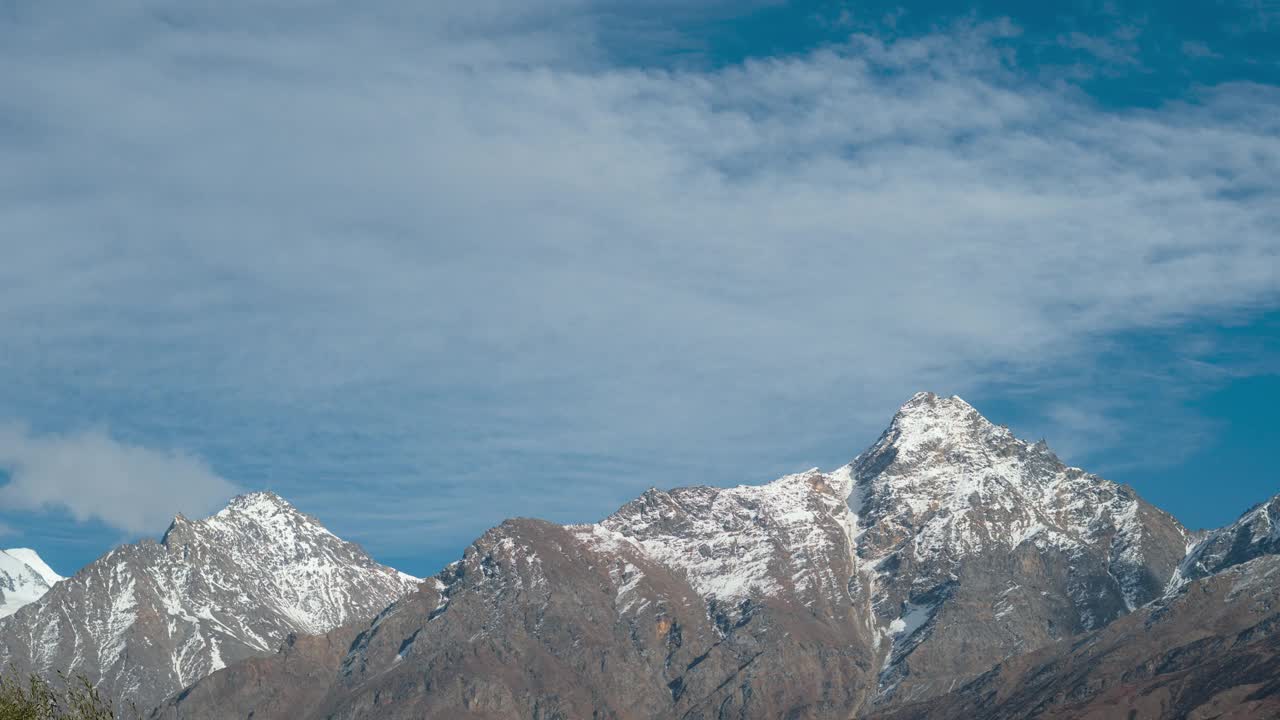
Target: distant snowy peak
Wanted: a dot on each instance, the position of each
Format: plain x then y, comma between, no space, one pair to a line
35,562
24,578
1255,533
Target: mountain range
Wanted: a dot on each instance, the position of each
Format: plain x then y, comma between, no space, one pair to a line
951,570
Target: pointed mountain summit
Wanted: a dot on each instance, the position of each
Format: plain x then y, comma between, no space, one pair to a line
148,619
929,419
977,544
24,578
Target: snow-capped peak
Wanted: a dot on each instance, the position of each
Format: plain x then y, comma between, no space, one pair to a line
926,402
215,590
257,502
943,483
33,560
263,514
948,439
24,578
928,422
259,508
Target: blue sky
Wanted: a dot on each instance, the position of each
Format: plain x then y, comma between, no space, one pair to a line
420,267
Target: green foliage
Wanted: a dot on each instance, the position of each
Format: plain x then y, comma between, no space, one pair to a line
36,699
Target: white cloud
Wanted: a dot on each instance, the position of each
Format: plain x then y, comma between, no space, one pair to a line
93,476
472,236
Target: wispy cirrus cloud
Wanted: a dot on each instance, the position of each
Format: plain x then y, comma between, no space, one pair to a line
460,260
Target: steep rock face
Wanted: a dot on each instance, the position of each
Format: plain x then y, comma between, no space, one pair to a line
146,620
1210,649
24,578
979,545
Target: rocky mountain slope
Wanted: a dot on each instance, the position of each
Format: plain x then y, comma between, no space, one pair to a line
1208,649
946,547
147,620
978,545
24,578
1256,533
